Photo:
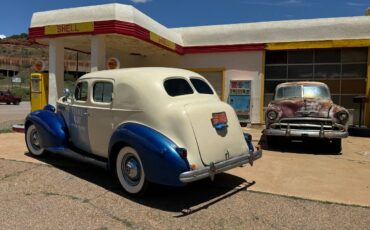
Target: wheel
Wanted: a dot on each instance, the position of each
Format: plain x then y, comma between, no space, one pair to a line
33,140
336,146
8,103
16,102
130,171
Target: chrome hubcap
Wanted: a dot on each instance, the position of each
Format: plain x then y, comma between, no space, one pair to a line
131,170
35,139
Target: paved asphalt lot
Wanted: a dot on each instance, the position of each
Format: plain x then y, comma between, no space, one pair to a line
68,195
58,193
13,114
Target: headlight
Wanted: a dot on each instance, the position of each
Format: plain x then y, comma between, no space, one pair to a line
343,116
272,115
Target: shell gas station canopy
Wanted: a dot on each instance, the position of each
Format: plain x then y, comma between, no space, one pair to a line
221,53
130,30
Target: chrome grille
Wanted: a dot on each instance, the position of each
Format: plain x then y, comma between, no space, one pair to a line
307,123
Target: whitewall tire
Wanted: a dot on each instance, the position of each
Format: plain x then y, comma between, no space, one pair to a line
130,171
33,141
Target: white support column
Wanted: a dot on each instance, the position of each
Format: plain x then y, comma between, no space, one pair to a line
56,70
98,50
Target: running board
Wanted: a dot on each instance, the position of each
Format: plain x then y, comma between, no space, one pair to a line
80,157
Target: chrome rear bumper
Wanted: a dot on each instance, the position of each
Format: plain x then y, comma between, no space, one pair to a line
215,168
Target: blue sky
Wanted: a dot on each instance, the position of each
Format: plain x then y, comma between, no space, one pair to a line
16,15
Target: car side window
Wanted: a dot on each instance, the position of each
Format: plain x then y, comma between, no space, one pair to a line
81,91
102,92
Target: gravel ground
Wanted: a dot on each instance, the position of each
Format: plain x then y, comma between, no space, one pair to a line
70,195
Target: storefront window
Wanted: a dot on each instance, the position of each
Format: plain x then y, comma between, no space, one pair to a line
276,72
343,70
327,71
327,55
300,56
300,72
334,85
276,57
354,70
350,55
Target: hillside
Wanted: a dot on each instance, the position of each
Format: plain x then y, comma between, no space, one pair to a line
18,55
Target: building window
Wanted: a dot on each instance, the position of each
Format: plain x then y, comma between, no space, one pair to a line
343,70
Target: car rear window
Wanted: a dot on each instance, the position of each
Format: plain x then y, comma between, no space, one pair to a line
177,87
201,86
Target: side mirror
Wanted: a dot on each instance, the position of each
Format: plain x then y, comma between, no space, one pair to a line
67,94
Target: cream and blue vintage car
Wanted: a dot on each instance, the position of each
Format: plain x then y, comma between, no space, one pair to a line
159,125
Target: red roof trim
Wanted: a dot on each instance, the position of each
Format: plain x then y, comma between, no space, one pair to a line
223,48
134,30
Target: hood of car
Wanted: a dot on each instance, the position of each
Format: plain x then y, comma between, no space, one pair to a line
302,107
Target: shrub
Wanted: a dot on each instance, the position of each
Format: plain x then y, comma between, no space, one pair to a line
24,93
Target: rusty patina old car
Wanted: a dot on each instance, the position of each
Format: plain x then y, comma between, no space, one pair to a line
305,110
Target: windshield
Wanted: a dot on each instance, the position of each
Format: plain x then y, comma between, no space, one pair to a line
307,91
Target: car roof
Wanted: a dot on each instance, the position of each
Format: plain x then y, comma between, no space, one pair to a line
140,74
297,83
139,88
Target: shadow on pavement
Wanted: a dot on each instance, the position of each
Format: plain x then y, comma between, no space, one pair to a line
187,200
299,146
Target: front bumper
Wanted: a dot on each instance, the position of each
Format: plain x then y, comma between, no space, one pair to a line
215,168
307,127
306,133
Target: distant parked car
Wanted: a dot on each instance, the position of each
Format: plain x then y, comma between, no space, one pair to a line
305,110
7,97
159,125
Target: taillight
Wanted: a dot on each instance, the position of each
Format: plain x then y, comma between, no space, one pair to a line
182,152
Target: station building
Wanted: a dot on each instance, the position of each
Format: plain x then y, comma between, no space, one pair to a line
261,55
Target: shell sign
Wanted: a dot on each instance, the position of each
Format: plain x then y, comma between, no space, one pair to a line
113,63
39,66
82,27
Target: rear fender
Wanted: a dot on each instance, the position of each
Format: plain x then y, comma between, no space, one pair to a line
51,127
162,163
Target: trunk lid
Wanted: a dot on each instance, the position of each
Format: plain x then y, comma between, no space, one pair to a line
215,141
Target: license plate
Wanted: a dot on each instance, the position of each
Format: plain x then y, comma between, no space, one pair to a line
219,118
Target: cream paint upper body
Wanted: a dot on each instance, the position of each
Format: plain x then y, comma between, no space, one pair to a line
139,96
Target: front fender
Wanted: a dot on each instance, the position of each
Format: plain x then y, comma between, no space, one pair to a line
162,164
51,127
